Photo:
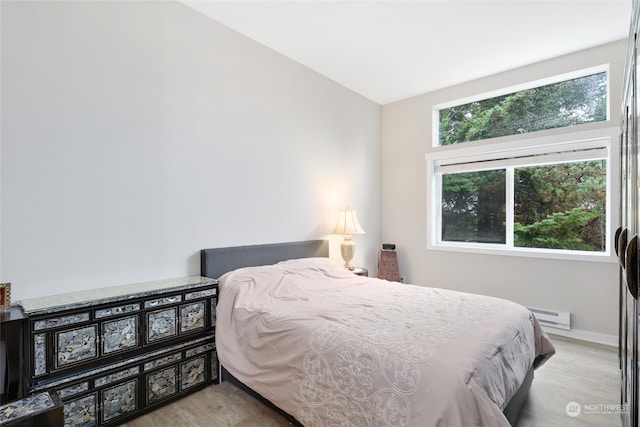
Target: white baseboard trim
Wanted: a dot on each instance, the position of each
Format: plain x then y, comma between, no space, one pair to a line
595,337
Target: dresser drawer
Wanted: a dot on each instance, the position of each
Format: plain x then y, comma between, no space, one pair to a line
111,394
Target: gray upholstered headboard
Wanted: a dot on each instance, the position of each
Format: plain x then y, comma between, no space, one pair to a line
217,261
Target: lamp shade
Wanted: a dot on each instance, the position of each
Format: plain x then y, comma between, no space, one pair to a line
348,223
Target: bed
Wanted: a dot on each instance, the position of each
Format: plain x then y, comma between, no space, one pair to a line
330,348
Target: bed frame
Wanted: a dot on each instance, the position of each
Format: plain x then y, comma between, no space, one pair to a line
215,262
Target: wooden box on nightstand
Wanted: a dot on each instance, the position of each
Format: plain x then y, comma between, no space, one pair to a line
388,266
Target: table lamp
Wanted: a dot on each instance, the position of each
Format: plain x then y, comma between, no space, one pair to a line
347,225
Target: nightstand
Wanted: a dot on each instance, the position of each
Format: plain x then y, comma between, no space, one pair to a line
13,325
359,271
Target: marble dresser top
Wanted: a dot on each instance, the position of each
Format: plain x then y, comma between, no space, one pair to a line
73,300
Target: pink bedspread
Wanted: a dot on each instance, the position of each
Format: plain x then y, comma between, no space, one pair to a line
334,349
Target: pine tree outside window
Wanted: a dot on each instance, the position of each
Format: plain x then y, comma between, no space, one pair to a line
566,103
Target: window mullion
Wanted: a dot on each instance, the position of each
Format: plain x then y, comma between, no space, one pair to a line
509,205
438,210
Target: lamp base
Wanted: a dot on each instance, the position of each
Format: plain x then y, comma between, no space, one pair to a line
347,249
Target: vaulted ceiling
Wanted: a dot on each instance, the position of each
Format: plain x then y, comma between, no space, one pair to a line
391,50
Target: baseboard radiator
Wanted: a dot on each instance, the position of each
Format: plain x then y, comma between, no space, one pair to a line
552,318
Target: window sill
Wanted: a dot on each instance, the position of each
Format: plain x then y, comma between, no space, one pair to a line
557,254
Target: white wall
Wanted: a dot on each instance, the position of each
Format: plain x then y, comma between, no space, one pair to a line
588,290
136,133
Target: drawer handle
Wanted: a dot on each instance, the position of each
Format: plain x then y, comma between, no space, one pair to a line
632,266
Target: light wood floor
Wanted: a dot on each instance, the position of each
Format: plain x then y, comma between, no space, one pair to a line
585,374
578,373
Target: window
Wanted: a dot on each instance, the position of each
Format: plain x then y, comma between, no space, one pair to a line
561,205
545,196
549,201
566,103
473,206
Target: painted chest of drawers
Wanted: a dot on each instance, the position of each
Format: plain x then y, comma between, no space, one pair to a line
114,353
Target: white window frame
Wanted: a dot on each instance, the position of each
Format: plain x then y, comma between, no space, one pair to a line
435,113
445,157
